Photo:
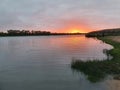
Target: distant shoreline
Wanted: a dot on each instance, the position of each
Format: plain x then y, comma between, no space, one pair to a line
41,35
33,33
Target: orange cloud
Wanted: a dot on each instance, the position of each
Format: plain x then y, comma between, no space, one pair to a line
73,26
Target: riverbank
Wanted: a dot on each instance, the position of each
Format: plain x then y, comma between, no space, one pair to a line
98,70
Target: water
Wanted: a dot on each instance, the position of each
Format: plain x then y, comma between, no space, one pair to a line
43,63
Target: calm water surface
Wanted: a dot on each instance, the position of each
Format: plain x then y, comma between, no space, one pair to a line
43,63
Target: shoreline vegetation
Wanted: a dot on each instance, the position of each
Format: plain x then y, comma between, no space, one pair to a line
105,32
33,33
96,70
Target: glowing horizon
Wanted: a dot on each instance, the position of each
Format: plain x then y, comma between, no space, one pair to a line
72,31
59,15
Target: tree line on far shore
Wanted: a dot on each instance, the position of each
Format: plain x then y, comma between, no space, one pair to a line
23,33
31,33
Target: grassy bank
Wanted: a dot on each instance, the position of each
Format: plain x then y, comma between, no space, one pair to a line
98,70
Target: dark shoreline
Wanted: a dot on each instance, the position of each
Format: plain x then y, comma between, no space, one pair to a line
41,35
34,33
105,32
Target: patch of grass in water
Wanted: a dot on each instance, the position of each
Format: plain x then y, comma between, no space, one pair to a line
97,70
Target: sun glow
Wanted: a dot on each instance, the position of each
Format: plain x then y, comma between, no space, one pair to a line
76,31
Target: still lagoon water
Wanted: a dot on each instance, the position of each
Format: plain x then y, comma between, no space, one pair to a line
44,63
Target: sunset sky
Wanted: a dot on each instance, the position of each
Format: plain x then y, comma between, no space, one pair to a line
59,15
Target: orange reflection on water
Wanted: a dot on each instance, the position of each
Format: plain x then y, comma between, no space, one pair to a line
65,46
69,44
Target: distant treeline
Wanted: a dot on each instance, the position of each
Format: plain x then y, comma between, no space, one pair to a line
105,32
23,33
32,33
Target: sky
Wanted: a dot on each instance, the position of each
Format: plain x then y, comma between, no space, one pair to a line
59,15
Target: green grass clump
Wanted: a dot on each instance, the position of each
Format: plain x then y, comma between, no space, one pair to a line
97,70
